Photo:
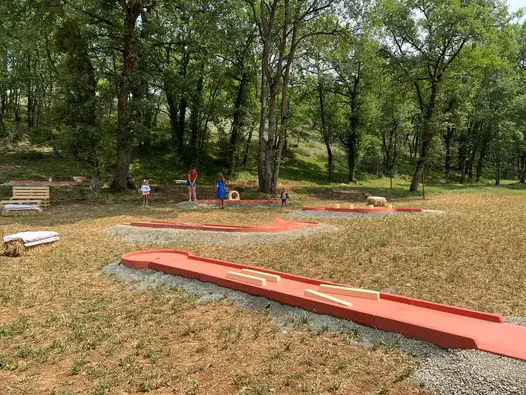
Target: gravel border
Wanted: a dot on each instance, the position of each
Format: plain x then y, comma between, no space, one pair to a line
134,234
468,372
305,214
187,205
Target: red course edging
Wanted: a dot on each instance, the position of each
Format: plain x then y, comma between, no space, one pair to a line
443,325
277,226
363,210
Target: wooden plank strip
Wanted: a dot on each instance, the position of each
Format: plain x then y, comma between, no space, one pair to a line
246,278
30,190
29,197
355,292
16,188
310,293
273,278
29,194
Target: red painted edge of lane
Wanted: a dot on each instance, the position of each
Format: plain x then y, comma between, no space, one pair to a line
443,307
269,228
363,210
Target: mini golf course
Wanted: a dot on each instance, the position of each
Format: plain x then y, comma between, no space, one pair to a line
443,325
277,226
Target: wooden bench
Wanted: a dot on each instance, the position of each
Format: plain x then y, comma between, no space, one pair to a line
29,195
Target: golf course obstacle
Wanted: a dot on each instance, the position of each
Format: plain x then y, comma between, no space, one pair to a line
277,226
443,325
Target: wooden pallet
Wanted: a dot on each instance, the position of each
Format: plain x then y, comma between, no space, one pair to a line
30,195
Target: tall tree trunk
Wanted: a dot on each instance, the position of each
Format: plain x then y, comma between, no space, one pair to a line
247,146
30,97
282,130
352,138
424,150
173,111
448,138
124,138
522,174
325,131
3,129
3,94
352,154
427,136
195,114
485,141
498,162
390,148
261,130
203,133
237,124
271,133
171,100
183,104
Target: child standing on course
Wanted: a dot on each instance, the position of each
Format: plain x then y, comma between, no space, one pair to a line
284,198
145,192
191,181
220,190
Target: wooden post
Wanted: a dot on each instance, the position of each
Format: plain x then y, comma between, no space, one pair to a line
423,187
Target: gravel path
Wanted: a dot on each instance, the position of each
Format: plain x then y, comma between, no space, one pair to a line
134,234
448,372
307,214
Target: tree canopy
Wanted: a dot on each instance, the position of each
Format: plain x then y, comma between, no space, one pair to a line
391,84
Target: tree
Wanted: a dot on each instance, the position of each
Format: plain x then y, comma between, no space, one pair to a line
282,25
84,137
426,39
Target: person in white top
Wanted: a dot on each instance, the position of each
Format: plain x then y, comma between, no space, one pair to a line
145,191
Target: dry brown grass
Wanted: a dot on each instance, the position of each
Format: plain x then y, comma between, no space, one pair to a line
67,328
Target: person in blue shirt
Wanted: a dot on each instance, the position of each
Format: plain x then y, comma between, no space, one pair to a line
145,192
220,190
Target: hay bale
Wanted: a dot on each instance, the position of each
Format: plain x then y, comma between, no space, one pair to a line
14,248
376,201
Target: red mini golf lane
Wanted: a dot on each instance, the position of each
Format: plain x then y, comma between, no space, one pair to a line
277,226
445,326
240,202
363,210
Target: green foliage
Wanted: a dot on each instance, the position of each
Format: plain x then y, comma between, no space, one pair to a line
393,75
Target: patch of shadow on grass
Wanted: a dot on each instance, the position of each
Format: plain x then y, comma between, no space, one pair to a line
469,372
